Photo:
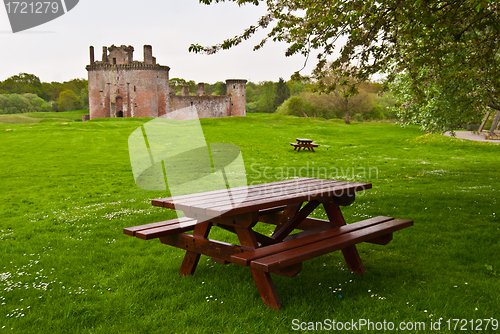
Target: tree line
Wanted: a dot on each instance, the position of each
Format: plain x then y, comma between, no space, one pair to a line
302,99
26,93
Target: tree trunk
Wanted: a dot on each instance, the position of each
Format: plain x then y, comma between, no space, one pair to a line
495,122
346,119
495,106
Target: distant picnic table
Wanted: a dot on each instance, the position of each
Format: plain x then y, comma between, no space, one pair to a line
304,143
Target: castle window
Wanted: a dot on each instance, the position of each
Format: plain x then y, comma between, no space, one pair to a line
114,61
191,103
134,88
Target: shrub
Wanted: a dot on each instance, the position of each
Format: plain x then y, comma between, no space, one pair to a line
68,100
37,102
15,104
293,106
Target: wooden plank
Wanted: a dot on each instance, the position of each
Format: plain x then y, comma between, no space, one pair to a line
261,239
245,258
303,196
383,240
132,230
306,145
272,210
266,288
253,192
306,224
315,193
160,201
242,220
192,258
288,213
200,203
290,271
350,253
285,229
163,231
334,214
320,228
264,283
312,250
213,248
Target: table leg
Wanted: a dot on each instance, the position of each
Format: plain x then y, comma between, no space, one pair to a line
266,288
350,253
288,213
191,258
262,279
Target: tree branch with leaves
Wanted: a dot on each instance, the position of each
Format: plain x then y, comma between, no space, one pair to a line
429,42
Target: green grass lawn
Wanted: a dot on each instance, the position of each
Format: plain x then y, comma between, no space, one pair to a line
67,191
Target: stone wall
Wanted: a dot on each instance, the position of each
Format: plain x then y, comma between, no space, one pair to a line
205,106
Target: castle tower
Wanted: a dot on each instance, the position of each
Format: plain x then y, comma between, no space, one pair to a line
237,89
122,87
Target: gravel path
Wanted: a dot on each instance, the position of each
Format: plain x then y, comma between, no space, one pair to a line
470,136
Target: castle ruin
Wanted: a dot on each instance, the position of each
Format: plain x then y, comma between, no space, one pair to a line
120,86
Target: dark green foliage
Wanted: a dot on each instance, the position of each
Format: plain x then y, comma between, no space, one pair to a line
293,106
282,92
67,100
219,88
21,83
178,82
17,104
28,83
266,99
83,99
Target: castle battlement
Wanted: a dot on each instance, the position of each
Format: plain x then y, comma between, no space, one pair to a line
134,66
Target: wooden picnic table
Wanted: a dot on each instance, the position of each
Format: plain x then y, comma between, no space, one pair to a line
304,143
285,204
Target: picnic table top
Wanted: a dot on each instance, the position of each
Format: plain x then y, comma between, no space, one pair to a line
303,140
234,201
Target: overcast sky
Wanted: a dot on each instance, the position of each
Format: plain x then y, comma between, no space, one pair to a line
59,50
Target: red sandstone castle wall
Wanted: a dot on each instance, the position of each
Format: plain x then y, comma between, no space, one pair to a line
205,106
237,89
121,87
143,92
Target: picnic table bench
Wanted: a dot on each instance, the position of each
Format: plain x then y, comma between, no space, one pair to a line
285,204
304,143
